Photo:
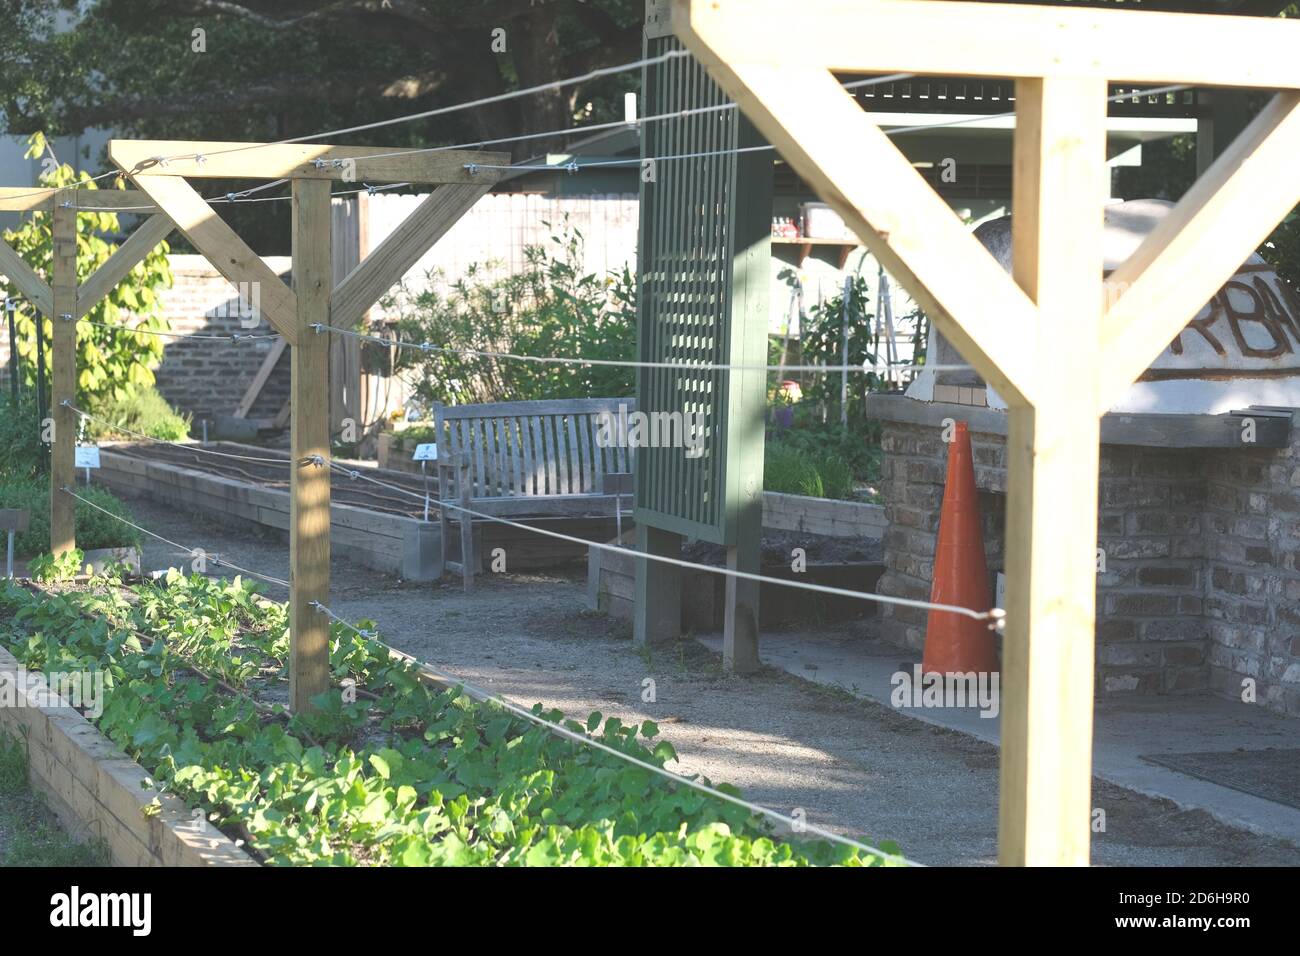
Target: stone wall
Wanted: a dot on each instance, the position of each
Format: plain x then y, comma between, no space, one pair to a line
1198,585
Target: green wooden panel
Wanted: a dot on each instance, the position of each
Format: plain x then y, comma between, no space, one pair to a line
704,266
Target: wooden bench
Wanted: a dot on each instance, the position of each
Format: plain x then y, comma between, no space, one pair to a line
525,459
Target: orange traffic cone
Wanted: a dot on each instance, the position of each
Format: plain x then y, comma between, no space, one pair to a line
954,642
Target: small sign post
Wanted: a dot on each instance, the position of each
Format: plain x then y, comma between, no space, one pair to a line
12,520
424,454
618,484
87,457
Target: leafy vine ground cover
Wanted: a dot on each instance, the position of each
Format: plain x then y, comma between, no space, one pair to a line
398,773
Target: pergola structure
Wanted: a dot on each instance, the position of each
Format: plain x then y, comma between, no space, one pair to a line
1056,339
160,168
63,301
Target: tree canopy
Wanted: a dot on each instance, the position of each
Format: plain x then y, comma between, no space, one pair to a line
276,69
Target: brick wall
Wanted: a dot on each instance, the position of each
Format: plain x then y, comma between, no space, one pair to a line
1252,602
1200,586
202,377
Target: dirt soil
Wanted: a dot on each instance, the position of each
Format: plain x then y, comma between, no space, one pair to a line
778,545
852,765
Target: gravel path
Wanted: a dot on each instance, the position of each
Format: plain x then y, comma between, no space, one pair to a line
851,765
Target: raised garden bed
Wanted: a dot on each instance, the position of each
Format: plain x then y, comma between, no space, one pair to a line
842,544
391,768
380,528
95,789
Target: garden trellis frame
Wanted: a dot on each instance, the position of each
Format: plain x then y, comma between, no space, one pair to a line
159,169
64,302
1060,342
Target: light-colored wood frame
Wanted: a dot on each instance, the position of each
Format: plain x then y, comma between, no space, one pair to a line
63,302
313,300
1046,337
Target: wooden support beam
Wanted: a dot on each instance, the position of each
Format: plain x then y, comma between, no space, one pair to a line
25,280
657,617
393,258
63,380
1197,247
1059,189
905,223
352,164
997,39
107,277
228,253
309,518
41,199
774,59
259,380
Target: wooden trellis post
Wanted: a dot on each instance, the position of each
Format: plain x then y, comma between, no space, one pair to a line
1058,342
159,168
63,302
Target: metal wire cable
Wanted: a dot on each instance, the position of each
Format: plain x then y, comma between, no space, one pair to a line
411,117
797,826
995,616
857,84
193,552
575,167
232,337
567,131
485,696
627,363
116,426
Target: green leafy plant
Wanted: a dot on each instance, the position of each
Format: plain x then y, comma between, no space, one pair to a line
32,835
22,456
1283,249
143,411
94,528
795,470
399,773
550,308
49,568
110,363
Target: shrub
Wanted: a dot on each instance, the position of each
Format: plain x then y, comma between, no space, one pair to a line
789,471
144,411
94,528
110,363
22,456
551,308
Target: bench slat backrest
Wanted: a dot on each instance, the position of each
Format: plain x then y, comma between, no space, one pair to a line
531,449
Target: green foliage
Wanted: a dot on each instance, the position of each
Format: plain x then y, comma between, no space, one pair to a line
132,66
22,456
1168,169
51,568
408,775
33,837
549,309
1283,249
144,411
94,528
822,344
110,363
793,468
13,766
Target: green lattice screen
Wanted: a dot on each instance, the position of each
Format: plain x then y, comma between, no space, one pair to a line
704,269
